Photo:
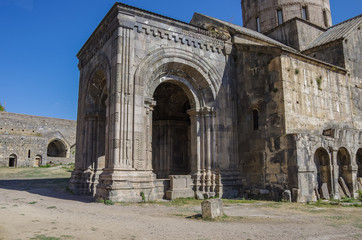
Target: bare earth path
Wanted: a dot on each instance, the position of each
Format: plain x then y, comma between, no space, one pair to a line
43,209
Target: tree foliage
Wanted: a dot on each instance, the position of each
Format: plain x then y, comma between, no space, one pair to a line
2,109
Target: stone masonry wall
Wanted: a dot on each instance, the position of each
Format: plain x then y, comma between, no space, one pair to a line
27,137
315,97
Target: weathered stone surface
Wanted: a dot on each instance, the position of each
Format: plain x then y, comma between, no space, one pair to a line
341,192
212,208
31,141
287,196
344,187
180,187
234,110
324,191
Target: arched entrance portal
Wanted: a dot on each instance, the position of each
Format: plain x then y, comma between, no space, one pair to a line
171,131
13,160
322,162
345,168
56,148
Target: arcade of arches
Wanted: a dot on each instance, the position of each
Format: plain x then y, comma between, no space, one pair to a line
339,178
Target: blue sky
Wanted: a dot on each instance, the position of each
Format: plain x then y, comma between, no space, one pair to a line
39,40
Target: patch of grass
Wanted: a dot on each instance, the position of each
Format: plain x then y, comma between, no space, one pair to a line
319,82
34,202
52,207
143,196
238,201
105,201
296,71
43,237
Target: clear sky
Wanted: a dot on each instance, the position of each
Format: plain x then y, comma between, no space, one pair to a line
39,40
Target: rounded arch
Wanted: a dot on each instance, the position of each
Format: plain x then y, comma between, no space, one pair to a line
57,148
359,162
343,157
13,160
345,167
96,110
198,75
323,168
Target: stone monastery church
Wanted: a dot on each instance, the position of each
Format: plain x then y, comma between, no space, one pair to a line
169,109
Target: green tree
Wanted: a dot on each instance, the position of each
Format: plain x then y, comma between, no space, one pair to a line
2,109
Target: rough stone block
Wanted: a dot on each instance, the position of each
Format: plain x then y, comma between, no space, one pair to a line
324,191
344,187
180,187
212,208
318,196
287,196
341,192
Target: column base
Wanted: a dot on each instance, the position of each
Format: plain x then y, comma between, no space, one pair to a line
120,185
84,182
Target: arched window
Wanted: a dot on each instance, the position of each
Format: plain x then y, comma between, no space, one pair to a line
256,119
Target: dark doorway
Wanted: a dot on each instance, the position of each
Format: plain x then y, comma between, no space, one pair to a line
170,131
12,160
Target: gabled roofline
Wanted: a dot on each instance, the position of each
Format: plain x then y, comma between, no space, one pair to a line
296,19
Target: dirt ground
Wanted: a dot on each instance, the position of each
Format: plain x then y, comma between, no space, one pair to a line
36,205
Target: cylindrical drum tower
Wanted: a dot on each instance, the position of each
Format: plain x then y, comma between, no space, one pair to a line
263,15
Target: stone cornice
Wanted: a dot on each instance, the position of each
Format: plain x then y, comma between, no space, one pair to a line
125,16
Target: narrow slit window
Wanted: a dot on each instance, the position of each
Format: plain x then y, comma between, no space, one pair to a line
304,13
256,119
280,16
258,24
29,153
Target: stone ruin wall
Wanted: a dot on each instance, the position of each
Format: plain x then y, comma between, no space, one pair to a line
20,134
315,97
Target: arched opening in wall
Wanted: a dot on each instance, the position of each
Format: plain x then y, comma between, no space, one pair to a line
359,162
56,148
37,161
170,131
345,168
95,121
323,166
13,160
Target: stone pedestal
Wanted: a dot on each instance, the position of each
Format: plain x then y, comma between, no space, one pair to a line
180,187
120,185
212,208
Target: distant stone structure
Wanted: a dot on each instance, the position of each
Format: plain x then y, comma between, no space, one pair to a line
220,109
31,141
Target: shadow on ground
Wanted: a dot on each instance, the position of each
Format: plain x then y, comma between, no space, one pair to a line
55,188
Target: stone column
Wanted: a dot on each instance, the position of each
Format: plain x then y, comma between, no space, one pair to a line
195,147
334,168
